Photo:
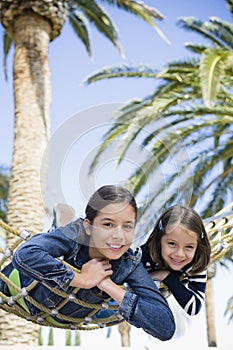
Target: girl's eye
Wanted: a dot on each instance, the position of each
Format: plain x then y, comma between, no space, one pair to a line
108,224
190,247
171,243
128,227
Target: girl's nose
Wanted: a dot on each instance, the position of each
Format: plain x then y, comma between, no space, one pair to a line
117,233
179,252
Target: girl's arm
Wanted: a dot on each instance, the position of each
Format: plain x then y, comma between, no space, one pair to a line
112,289
143,306
38,258
190,292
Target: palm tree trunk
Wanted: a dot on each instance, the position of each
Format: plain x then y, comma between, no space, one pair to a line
31,36
32,125
210,319
124,329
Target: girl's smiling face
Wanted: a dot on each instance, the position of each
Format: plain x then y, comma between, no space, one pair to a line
178,247
111,232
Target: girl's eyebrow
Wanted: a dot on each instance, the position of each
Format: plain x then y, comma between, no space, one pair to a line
174,240
106,218
112,220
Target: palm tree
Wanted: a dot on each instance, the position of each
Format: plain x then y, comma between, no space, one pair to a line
186,125
124,330
210,316
31,25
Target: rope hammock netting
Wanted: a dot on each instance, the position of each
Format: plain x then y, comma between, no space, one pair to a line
218,227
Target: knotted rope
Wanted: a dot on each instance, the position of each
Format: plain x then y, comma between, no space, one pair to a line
219,229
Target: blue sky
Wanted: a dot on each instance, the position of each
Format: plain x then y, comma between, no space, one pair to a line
70,65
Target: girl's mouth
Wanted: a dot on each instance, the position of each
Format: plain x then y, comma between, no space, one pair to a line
115,247
177,262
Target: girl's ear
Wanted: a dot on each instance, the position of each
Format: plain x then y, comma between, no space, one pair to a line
87,226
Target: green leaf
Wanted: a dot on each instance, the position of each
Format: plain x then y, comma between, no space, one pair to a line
212,65
79,25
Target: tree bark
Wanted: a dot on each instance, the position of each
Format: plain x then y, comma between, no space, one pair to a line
31,36
210,316
124,329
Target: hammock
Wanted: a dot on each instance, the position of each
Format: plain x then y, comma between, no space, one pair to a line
15,303
218,227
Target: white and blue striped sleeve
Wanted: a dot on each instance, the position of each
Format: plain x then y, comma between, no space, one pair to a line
189,292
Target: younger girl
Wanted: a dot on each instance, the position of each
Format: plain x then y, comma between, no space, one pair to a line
177,254
99,246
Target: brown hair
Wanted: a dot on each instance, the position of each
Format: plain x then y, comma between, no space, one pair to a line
189,218
108,194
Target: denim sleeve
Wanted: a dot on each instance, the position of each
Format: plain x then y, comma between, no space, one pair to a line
144,306
37,259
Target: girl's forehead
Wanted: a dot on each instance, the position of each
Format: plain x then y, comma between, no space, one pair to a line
117,209
181,231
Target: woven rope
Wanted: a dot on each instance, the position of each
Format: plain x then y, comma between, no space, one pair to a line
10,304
219,229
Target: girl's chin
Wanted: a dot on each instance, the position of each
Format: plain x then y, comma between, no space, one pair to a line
176,267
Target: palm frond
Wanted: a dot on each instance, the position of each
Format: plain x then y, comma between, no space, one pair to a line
100,19
222,189
222,30
230,5
79,24
195,48
140,9
185,127
207,163
212,64
206,29
145,12
132,131
125,71
116,130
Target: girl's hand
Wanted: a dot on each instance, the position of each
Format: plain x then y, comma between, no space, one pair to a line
92,273
159,275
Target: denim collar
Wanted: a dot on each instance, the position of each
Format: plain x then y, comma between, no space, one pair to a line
82,256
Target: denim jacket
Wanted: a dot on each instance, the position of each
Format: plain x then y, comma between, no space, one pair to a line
143,305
